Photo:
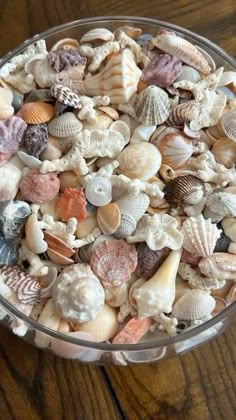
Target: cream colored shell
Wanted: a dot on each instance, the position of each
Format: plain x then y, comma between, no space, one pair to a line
194,304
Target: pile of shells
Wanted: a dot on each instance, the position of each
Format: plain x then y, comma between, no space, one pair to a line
117,185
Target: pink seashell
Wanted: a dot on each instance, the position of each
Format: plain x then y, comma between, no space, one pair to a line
162,70
26,287
39,188
133,331
11,134
114,261
149,261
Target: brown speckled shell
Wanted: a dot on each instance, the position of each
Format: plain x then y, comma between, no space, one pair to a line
179,190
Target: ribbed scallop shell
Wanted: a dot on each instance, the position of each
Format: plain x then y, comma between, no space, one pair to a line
26,287
65,125
98,191
118,79
228,124
135,206
58,245
149,261
36,112
152,106
222,203
114,261
141,160
224,151
194,304
183,190
108,218
200,236
175,149
126,227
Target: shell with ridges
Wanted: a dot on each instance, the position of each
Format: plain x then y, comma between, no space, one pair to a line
194,304
36,112
224,151
108,218
58,245
101,34
228,124
122,128
66,96
135,206
152,106
220,265
182,190
126,227
222,203
65,125
98,191
184,112
175,149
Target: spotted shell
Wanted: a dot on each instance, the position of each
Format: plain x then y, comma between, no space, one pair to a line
126,227
149,261
152,106
66,96
65,125
113,261
194,304
98,191
39,188
200,235
222,203
186,189
71,203
36,112
108,218
228,124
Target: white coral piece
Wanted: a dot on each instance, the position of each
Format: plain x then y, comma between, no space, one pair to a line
37,266
98,54
196,280
88,111
165,323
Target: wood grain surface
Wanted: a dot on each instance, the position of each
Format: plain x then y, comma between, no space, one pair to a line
199,385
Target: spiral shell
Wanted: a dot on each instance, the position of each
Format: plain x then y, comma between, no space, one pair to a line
65,125
36,112
182,190
184,112
98,191
194,304
152,106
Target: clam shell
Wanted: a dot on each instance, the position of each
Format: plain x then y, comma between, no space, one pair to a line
222,203
152,106
98,191
57,258
113,261
10,177
34,235
166,172
200,235
142,133
149,261
65,125
108,218
126,227
36,112
228,124
184,190
135,206
175,149
141,160
111,112
194,304
224,151
86,226
116,296
6,97
56,244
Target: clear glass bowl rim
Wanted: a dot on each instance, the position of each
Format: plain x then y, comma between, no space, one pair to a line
107,346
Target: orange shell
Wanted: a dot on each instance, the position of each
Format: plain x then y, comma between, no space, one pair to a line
108,218
57,258
133,331
36,112
56,244
72,203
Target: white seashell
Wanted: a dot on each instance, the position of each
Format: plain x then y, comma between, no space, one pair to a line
101,34
117,295
152,106
229,227
29,160
220,265
135,206
111,112
224,151
98,191
222,203
200,235
52,150
10,177
226,78
190,74
137,283
78,294
194,304
49,208
50,319
102,121
47,281
122,128
126,227
34,235
65,125
158,293
228,124
142,133
44,74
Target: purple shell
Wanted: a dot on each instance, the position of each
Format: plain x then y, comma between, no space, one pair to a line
36,139
162,70
64,59
11,134
149,261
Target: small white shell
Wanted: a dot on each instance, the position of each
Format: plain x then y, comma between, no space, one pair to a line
126,227
98,191
122,128
117,295
142,133
190,74
194,304
135,206
9,181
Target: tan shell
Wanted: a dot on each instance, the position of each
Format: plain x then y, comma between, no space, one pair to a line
65,43
97,34
184,112
138,283
229,227
52,150
108,218
220,265
194,304
65,125
117,295
152,106
86,226
182,190
111,112
34,235
122,128
224,151
166,172
68,179
134,206
36,112
175,149
56,244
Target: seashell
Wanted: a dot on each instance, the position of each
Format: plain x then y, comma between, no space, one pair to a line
231,296
49,208
66,96
211,110
108,218
224,151
34,236
229,227
228,124
86,226
194,304
63,59
149,261
113,261
11,134
222,244
137,283
85,253
29,160
186,189
101,121
134,206
182,49
78,294
100,239
68,179
50,319
35,139
161,70
10,177
65,43
103,327
142,133
158,293
101,34
52,150
200,236
190,258
222,203
175,149
56,244
116,296
184,112
21,81
141,160
122,128
126,227
40,95
190,74
152,106
72,77
220,265
220,305
47,281
26,287
223,292
58,258
98,191
181,287
39,188
118,79
6,109
13,216
133,331
71,203
8,250
65,125
166,172
111,112
36,112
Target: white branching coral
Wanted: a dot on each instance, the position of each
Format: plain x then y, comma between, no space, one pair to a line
98,54
196,280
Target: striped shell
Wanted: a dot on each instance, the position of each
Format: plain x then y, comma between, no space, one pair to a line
222,203
26,287
66,96
108,218
184,190
152,106
135,206
194,304
175,148
184,112
96,34
36,112
126,227
224,151
228,124
113,261
65,125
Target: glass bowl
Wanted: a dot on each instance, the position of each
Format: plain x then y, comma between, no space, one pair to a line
149,350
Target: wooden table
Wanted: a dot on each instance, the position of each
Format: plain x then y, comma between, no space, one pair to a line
199,385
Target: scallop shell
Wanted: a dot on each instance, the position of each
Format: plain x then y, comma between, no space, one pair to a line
101,34
56,244
98,191
141,160
149,261
10,177
133,331
114,261
116,296
66,96
152,106
126,227
65,125
175,149
135,206
200,236
228,124
36,112
39,188
108,218
224,151
34,235
58,258
71,203
186,189
194,304
118,79
86,226
222,203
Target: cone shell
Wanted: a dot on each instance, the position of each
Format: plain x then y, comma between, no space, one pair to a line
108,218
116,296
36,112
184,190
65,125
126,227
194,304
228,124
114,261
135,206
141,160
200,236
152,106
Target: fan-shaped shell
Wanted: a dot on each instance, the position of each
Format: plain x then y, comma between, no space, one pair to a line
152,106
135,206
224,151
98,191
200,235
141,160
36,112
182,190
228,124
222,203
175,149
194,304
108,218
114,261
71,203
65,125
126,227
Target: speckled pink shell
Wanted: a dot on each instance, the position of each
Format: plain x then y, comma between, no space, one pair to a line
39,188
113,261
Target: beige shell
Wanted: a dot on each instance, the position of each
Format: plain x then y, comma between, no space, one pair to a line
222,203
137,283
101,122
229,227
10,177
111,112
68,179
158,293
50,319
142,133
118,79
122,128
34,235
103,327
152,106
49,208
224,151
136,206
58,258
181,287
6,97
228,124
108,218
220,265
126,227
175,149
141,160
194,304
117,295
200,235
166,172
97,34
65,43
52,150
86,226
58,245
184,112
65,125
